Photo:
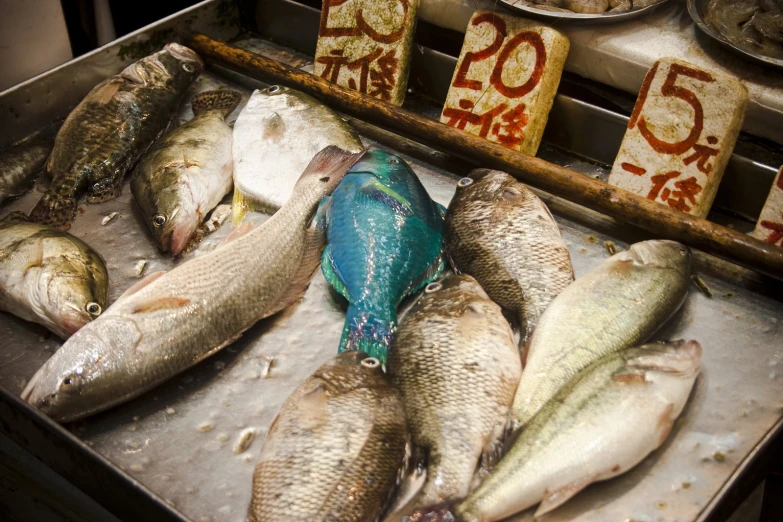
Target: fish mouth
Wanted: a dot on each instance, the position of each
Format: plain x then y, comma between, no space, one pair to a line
178,239
659,252
184,53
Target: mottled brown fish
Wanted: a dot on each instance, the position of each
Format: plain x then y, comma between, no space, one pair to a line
456,363
21,163
502,234
111,128
335,449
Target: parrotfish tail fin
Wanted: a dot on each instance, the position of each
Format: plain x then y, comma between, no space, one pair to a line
16,216
365,332
54,210
224,100
437,513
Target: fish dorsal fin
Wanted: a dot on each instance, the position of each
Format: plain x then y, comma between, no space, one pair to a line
374,189
223,100
331,274
141,284
308,263
554,499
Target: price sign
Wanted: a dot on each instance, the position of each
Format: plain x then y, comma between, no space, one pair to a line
770,225
680,136
506,79
366,45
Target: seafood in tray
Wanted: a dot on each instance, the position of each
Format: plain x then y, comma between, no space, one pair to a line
492,412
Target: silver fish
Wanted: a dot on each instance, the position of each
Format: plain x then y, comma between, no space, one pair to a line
50,277
275,136
603,423
499,232
618,304
187,172
170,321
335,449
456,363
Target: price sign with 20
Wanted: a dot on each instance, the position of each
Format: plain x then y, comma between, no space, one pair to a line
680,136
506,79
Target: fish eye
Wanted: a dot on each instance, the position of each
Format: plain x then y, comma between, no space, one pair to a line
273,89
187,67
432,287
464,182
71,382
159,220
93,309
370,362
394,159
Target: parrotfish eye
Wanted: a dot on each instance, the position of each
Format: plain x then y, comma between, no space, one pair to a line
464,182
371,362
432,287
394,159
187,67
273,89
159,220
93,309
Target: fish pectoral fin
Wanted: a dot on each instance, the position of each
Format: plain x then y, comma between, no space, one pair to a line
332,275
429,275
156,304
313,407
308,263
244,228
380,192
141,284
555,499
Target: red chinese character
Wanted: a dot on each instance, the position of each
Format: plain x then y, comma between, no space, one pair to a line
659,180
514,121
687,190
363,65
333,64
382,80
459,118
776,231
702,155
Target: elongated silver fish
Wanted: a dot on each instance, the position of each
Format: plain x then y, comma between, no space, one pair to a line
335,449
603,423
499,232
456,363
618,304
50,277
186,173
170,321
275,136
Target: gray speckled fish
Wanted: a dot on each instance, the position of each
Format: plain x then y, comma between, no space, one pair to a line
170,321
335,449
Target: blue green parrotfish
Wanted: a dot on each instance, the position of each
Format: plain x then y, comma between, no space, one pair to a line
385,242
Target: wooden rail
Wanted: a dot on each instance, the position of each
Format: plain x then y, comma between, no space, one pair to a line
661,220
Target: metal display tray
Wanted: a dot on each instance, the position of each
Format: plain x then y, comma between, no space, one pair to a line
171,454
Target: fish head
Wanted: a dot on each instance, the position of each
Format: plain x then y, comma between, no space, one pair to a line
662,254
352,370
171,211
175,66
82,377
486,191
278,99
454,294
387,167
75,294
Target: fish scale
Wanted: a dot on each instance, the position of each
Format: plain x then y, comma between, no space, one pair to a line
153,332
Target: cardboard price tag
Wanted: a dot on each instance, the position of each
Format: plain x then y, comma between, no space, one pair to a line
506,80
680,136
366,45
770,225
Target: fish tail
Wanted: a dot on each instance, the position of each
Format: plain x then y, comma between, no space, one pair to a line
366,332
224,100
54,210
